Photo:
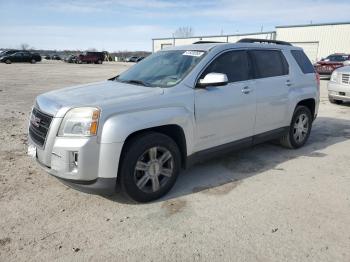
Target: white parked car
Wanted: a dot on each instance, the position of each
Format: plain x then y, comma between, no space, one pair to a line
339,86
179,105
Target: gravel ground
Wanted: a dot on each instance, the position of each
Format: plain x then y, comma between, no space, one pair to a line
262,204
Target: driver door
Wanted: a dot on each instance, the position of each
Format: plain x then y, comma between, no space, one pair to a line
226,113
17,57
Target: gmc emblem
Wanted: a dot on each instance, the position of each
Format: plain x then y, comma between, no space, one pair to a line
35,120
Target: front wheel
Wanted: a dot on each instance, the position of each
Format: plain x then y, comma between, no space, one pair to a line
33,61
150,165
299,130
8,61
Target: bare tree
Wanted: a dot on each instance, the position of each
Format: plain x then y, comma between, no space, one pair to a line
24,46
184,31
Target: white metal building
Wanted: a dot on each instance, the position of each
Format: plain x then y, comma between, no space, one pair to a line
161,43
317,40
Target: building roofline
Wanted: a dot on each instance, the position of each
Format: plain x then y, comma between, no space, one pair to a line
245,34
319,24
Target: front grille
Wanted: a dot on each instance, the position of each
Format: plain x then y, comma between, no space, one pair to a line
39,126
345,79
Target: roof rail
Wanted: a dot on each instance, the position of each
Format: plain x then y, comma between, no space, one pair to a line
255,40
207,42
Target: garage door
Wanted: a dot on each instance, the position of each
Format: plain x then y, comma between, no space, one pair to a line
162,46
310,49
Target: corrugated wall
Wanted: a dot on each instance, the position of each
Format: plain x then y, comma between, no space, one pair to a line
317,40
325,39
162,43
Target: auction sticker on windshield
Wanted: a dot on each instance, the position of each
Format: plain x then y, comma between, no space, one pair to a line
193,53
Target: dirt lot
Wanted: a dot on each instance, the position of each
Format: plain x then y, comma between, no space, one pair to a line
262,204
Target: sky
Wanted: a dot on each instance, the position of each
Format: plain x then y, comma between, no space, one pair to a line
119,25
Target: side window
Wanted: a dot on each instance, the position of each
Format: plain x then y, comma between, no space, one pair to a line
303,62
235,64
269,63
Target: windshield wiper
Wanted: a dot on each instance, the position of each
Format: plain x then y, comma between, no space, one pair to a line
138,82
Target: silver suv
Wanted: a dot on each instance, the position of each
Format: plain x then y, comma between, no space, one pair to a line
139,129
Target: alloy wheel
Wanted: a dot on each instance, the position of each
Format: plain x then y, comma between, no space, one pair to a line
301,128
153,169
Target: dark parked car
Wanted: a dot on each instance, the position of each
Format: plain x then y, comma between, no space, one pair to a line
327,65
71,59
22,56
47,57
56,57
91,57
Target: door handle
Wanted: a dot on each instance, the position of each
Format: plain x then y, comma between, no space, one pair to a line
246,90
289,83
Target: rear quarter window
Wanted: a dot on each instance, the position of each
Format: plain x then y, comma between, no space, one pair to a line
269,63
303,61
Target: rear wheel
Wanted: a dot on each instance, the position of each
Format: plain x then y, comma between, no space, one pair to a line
299,130
99,62
150,166
8,61
33,61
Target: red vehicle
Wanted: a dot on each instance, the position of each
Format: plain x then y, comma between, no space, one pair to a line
327,65
91,57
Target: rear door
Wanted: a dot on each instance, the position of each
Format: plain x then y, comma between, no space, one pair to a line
226,113
272,83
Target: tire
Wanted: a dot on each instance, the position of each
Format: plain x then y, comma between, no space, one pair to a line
334,101
33,61
99,62
142,166
8,61
299,130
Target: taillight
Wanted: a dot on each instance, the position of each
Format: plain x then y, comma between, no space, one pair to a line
318,80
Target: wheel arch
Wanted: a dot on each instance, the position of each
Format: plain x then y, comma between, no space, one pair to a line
310,103
175,132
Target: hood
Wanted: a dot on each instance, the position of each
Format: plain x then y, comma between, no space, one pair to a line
344,69
101,94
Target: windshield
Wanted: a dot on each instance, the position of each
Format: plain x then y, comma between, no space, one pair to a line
163,69
337,58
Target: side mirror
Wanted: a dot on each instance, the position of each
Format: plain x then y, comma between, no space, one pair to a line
213,79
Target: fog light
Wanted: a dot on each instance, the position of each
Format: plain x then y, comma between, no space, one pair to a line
73,162
75,157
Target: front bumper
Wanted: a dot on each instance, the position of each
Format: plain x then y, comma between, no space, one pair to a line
99,186
81,163
339,91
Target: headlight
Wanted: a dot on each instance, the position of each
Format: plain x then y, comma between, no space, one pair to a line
334,76
81,121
